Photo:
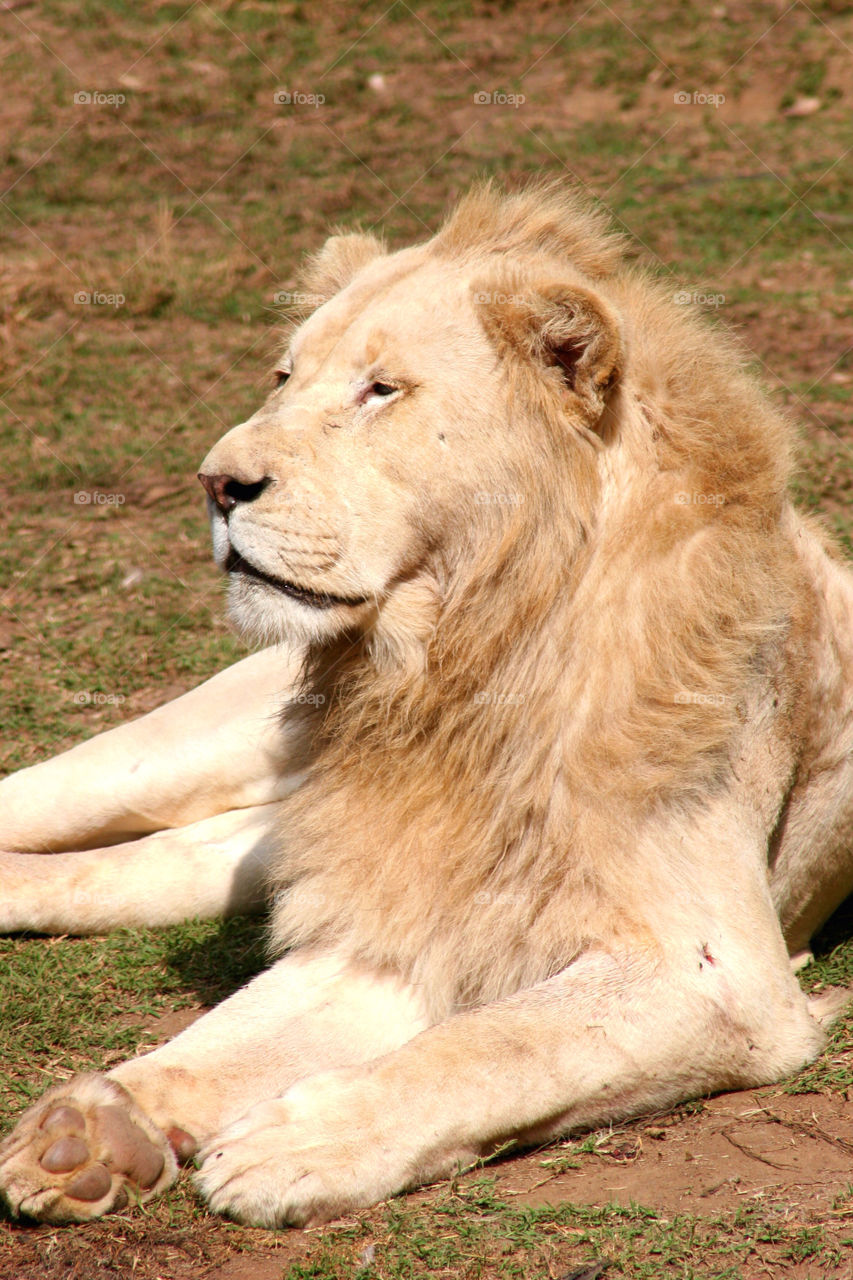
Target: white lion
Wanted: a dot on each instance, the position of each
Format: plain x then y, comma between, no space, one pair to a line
549,768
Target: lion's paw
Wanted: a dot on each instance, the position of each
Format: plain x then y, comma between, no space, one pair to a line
84,1149
296,1161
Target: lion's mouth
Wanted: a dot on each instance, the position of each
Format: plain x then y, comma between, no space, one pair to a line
315,599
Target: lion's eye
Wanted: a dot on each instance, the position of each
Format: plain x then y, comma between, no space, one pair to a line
281,376
382,389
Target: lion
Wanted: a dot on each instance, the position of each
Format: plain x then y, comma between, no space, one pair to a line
546,767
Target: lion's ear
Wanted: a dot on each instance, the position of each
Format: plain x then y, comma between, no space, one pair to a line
331,269
566,327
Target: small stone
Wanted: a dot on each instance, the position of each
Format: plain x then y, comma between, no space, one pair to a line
804,107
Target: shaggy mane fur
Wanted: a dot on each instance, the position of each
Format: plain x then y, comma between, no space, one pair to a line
545,217
592,654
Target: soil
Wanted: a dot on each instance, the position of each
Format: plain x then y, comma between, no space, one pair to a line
793,1151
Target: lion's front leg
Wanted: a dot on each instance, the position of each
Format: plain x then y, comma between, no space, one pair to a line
613,1035
98,1142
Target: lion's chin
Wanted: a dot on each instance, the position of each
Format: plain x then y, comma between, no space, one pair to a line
267,613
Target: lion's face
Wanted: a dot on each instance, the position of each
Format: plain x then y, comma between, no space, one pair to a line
390,443
338,493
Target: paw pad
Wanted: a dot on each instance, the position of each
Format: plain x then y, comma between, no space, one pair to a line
65,1155
92,1184
64,1119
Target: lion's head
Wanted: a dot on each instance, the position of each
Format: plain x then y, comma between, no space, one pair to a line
406,432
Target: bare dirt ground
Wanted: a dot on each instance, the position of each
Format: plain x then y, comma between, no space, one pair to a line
791,1152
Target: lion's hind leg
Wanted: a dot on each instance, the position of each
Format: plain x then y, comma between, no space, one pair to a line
227,744
207,869
811,853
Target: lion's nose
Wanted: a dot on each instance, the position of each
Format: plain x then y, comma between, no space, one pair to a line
226,492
